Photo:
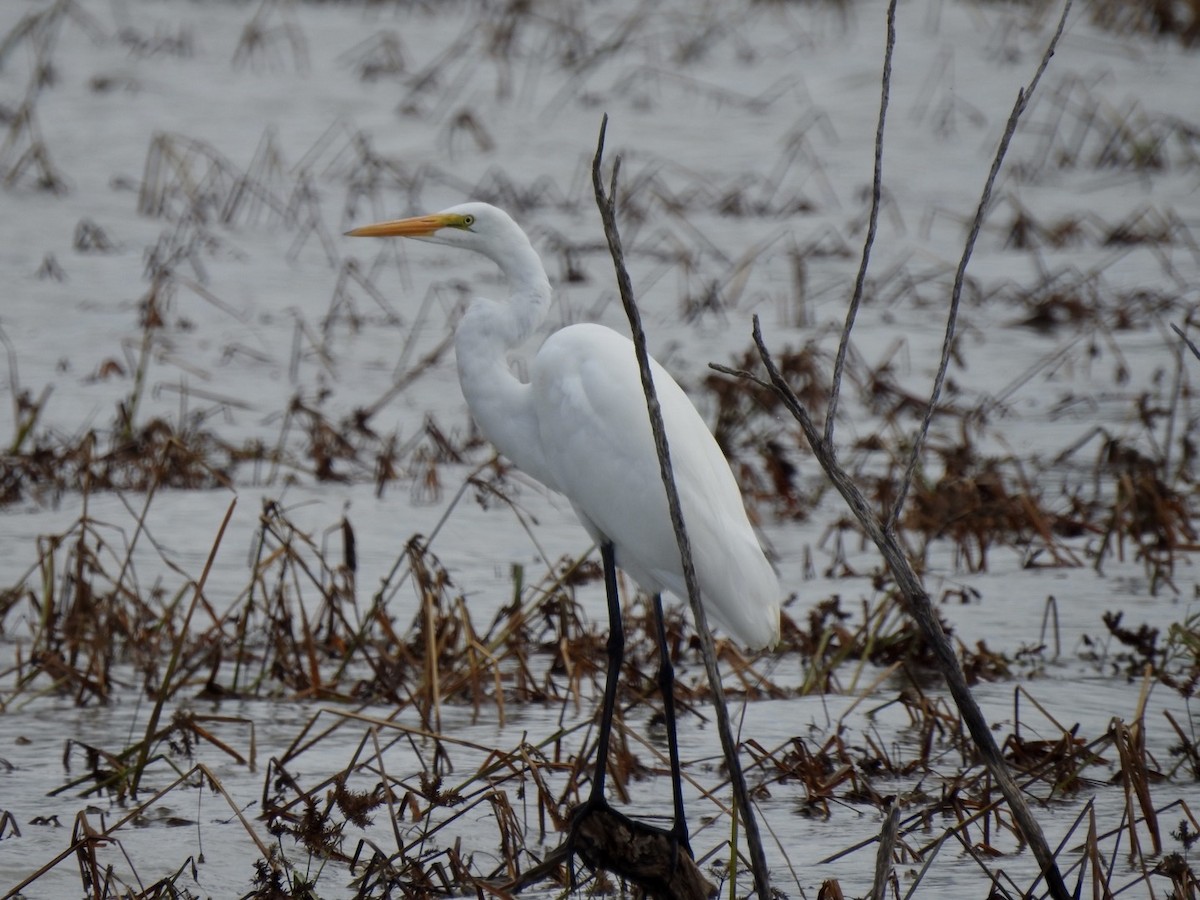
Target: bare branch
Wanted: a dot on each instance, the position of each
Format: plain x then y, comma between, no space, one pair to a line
960,275
872,226
907,581
1195,350
887,843
920,608
607,205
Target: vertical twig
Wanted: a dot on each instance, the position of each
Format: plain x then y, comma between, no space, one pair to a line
1176,394
177,651
985,200
872,227
606,201
14,387
887,843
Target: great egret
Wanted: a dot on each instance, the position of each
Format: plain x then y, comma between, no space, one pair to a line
580,426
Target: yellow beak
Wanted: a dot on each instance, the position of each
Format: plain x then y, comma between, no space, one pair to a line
417,226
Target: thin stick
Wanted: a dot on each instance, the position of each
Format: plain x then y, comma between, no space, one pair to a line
606,201
887,843
985,200
165,690
872,226
1195,350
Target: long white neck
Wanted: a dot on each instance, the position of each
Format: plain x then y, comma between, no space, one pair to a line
499,401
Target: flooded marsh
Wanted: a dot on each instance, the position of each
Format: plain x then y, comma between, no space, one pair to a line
276,621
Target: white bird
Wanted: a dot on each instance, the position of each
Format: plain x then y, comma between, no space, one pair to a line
580,426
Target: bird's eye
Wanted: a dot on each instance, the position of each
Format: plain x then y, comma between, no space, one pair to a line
468,221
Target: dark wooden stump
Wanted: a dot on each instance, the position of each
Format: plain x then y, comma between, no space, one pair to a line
644,855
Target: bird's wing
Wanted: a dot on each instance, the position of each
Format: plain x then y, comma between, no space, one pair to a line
597,442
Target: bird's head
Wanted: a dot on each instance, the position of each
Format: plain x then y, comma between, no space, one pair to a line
473,226
485,229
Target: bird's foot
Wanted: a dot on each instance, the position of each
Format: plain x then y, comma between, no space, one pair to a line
594,805
678,835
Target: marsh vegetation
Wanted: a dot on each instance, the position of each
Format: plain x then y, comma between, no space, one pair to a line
275,621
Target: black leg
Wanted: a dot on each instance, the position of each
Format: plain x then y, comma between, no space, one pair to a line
616,652
666,684
596,801
609,826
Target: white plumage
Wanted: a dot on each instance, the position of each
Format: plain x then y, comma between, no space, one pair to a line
580,426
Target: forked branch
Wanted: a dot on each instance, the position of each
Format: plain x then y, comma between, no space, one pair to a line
882,532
